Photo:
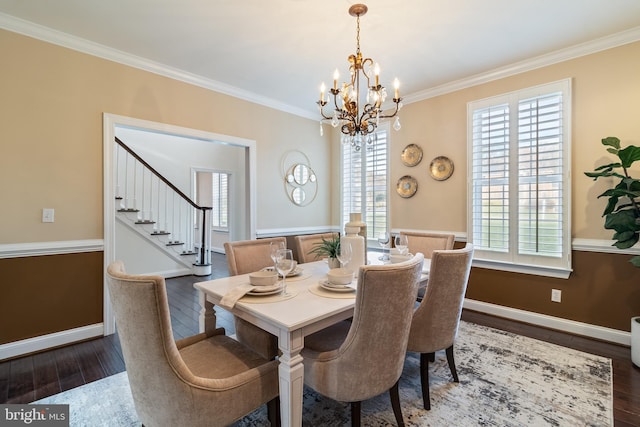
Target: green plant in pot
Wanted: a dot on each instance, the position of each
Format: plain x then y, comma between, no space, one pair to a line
329,248
622,213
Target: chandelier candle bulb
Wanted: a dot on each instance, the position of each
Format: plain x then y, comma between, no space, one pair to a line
322,89
336,76
396,85
376,70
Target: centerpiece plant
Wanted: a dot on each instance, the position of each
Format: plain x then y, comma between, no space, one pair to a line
622,213
329,248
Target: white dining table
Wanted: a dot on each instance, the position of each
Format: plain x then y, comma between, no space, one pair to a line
290,319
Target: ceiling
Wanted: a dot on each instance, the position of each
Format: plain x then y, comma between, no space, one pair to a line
277,52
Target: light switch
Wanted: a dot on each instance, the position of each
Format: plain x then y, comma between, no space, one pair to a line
47,215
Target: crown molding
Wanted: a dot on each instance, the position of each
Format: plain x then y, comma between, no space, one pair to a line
609,42
49,35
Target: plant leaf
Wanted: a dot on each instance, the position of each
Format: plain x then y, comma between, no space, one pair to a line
625,235
635,260
611,206
626,244
612,141
629,155
622,221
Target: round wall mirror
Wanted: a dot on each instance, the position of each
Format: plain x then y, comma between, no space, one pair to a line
301,173
300,181
298,195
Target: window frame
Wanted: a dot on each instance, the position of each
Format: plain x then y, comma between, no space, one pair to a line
512,260
344,214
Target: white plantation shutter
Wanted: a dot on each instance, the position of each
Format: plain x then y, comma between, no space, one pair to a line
490,175
540,166
519,169
220,208
365,183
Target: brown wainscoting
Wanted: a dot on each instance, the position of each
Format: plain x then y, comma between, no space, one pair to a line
603,290
47,294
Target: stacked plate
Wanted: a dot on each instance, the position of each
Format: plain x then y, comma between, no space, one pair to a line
266,290
326,284
296,272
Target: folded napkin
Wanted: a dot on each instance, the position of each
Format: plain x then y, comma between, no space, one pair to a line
232,297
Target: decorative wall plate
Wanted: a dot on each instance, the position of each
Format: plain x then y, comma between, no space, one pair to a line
441,168
411,155
407,186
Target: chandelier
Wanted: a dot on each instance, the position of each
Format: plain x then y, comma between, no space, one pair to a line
357,120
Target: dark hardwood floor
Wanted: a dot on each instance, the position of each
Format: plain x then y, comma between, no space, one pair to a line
33,377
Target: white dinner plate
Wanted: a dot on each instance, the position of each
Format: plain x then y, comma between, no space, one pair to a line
324,284
266,290
298,271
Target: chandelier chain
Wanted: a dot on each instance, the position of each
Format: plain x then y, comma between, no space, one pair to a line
358,34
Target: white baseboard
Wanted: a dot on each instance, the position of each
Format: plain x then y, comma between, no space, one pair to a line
571,326
44,342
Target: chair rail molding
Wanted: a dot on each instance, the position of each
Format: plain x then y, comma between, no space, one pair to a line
18,250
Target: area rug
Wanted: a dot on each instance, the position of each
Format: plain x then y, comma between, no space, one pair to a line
505,380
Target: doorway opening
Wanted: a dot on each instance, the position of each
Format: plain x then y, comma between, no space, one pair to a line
176,152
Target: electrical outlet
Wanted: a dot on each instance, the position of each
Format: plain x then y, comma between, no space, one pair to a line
48,215
556,295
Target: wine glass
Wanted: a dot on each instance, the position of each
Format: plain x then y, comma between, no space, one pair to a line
285,265
344,255
384,239
274,247
401,243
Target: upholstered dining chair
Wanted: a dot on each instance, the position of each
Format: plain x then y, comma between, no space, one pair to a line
435,322
305,243
355,360
247,256
204,380
426,243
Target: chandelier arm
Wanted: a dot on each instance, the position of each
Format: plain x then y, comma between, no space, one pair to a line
324,116
364,70
395,111
368,112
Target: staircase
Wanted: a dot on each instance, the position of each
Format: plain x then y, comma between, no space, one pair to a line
150,205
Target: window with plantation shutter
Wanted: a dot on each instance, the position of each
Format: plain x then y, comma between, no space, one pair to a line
365,183
220,208
519,170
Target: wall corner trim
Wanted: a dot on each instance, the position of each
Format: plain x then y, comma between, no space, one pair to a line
44,342
17,250
565,325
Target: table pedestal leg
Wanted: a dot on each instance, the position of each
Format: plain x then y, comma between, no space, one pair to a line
291,374
207,320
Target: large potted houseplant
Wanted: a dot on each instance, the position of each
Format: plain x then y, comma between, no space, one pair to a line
329,248
622,213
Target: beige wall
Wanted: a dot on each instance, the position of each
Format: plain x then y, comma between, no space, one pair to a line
51,135
606,102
